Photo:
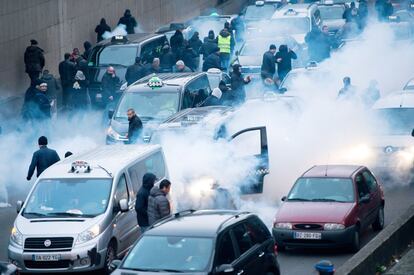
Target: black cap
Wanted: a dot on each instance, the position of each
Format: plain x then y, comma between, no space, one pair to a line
42,140
272,47
33,42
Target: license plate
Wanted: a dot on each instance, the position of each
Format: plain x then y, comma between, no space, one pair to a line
308,235
46,258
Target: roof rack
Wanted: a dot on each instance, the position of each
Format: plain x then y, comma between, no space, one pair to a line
235,216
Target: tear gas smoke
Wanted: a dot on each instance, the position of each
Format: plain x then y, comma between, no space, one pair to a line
119,30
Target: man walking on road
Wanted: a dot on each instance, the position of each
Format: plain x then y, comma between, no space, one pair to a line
158,204
42,158
34,61
141,204
134,127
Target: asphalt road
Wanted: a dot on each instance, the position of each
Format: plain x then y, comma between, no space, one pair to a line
295,261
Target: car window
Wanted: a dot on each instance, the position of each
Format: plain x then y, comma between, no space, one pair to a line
153,164
196,92
121,190
361,186
225,253
257,231
152,49
370,181
242,238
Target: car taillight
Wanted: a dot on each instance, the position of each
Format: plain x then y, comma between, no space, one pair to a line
275,249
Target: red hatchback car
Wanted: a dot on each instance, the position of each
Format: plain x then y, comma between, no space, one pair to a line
329,206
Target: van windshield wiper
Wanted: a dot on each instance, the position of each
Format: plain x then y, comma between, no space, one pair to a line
154,270
63,214
298,199
35,214
328,200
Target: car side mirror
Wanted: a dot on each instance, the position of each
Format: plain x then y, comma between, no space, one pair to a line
283,198
412,133
283,90
19,205
110,114
123,205
114,265
365,199
224,268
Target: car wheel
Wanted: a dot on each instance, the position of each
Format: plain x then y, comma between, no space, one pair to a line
356,242
379,221
109,257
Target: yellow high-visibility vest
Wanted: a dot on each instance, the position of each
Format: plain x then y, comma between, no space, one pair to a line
224,44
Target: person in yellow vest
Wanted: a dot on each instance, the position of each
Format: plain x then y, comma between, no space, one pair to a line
224,43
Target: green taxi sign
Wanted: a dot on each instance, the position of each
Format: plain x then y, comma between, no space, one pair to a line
155,82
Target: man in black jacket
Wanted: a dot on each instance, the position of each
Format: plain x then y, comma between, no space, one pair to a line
268,63
110,85
129,21
213,60
237,85
135,72
284,61
141,203
67,71
210,43
34,61
135,126
42,158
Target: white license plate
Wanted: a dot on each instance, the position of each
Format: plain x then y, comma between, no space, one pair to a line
308,235
46,258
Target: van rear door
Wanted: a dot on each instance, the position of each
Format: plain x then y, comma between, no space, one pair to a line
253,142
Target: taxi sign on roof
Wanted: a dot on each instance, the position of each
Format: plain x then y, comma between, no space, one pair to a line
155,82
259,3
80,166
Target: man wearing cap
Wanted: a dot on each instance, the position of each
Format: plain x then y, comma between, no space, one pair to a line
212,60
268,68
42,158
34,61
180,67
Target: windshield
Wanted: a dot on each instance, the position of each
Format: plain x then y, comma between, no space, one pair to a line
149,105
170,254
69,197
286,25
259,13
398,121
118,55
322,189
331,12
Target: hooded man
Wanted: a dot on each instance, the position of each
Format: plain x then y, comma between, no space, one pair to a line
101,29
268,68
34,61
237,84
213,60
158,204
134,126
42,158
129,21
141,203
210,43
88,50
214,98
167,59
135,71
284,61
177,43
67,71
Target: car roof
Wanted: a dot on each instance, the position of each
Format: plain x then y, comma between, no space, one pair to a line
197,114
201,223
302,10
132,39
105,161
400,99
170,79
332,171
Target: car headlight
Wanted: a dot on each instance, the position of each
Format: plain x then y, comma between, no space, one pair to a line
16,237
88,235
333,226
112,133
283,225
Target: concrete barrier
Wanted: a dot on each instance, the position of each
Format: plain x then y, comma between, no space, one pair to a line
391,241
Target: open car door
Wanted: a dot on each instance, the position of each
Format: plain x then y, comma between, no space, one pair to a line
253,142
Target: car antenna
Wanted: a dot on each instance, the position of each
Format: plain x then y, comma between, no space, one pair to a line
326,170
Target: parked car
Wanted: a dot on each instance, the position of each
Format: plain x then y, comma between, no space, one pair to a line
203,242
330,206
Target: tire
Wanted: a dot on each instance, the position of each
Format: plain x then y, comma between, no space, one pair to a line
356,241
109,257
379,221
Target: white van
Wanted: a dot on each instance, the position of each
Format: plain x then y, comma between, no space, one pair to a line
80,215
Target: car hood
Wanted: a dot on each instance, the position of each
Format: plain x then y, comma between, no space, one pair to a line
334,24
313,212
55,226
132,272
250,61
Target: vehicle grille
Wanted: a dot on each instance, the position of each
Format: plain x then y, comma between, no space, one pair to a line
47,265
55,243
308,226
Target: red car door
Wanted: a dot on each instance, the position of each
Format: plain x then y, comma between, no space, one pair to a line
363,200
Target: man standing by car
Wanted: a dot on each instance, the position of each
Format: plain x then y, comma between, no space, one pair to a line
237,85
284,61
212,60
158,204
110,85
141,204
268,63
135,126
42,158
135,71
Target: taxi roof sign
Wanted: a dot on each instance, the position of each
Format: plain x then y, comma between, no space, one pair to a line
291,11
259,3
155,82
119,38
80,166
